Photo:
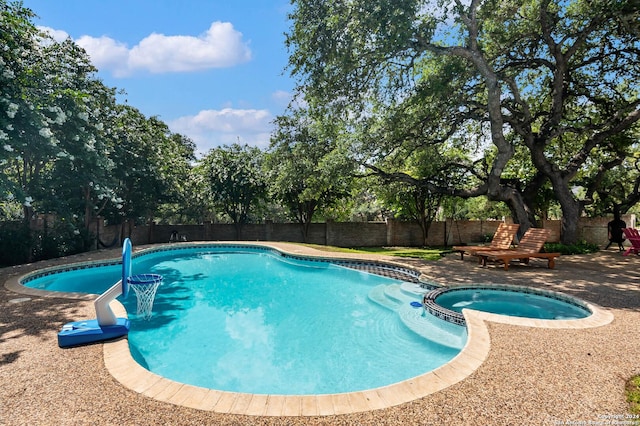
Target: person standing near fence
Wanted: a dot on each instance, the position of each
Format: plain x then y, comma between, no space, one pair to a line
614,229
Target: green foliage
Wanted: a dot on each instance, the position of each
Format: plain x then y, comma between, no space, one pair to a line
151,165
65,238
67,148
528,99
521,108
15,243
235,181
581,247
19,244
479,208
633,395
307,172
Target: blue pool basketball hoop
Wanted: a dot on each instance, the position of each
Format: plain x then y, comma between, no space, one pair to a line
106,326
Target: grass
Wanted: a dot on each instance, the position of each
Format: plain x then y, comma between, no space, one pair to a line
429,253
633,396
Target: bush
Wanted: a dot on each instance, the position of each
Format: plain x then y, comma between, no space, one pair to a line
579,248
15,243
61,240
18,244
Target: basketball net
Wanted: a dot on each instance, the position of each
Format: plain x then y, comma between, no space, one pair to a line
145,287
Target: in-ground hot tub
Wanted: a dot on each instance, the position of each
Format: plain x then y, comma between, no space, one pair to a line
514,301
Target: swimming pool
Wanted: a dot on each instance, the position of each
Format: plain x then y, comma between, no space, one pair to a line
251,320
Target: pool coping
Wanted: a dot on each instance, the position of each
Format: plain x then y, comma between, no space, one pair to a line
122,366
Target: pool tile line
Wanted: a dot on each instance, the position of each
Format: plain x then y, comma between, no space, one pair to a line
374,266
383,268
66,268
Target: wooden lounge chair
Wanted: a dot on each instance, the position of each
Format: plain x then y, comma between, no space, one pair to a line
633,236
502,240
530,245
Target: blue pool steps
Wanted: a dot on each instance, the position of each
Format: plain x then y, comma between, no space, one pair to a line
399,298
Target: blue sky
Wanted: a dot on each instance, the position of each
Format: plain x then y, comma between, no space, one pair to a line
212,70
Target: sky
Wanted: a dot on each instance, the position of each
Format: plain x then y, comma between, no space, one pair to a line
213,70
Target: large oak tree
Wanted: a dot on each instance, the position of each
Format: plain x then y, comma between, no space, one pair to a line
555,80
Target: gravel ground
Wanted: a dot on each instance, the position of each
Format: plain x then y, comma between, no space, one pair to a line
532,376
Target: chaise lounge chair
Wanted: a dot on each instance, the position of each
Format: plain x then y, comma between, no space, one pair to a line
633,236
530,245
502,240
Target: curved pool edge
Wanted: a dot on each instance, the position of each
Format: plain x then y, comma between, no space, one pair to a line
14,284
120,363
599,317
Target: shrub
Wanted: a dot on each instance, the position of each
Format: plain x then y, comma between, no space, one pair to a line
581,247
15,243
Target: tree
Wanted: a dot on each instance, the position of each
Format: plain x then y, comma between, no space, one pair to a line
67,148
78,180
558,79
183,206
236,183
405,181
411,202
151,165
24,135
616,182
306,171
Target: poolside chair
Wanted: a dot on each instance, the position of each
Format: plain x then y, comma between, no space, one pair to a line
633,236
529,246
502,240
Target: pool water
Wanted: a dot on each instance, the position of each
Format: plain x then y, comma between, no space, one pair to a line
94,280
254,321
511,302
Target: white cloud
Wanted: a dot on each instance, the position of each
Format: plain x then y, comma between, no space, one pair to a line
212,128
106,54
57,35
220,46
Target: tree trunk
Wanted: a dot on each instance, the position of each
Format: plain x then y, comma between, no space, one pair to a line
304,215
520,211
571,210
238,229
424,227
